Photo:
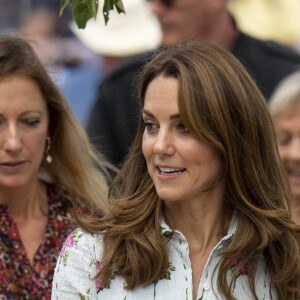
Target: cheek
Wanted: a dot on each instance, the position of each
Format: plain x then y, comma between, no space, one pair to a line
283,152
36,142
146,149
204,157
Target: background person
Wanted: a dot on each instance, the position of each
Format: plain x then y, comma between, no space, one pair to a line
72,66
285,108
46,167
113,121
200,209
124,37
276,20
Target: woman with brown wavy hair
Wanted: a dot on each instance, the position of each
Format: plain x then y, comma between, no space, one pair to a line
201,208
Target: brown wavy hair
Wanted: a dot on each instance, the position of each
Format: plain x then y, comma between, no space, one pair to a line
220,103
78,171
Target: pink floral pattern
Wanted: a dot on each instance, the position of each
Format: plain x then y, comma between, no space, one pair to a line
100,283
70,242
175,283
242,271
18,278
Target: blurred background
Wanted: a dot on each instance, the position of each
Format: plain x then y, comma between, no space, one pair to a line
277,20
78,67
268,19
77,60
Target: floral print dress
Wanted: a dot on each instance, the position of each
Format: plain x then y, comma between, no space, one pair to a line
80,260
19,280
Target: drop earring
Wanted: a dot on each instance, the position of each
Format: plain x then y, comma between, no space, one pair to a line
47,150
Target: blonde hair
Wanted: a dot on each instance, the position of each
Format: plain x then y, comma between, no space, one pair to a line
219,102
76,168
286,94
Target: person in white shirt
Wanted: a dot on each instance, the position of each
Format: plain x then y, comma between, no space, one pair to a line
200,208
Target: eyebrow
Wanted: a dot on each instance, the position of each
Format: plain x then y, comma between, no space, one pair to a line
172,117
24,113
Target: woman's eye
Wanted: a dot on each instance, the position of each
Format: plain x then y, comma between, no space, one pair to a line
31,122
149,126
182,128
283,139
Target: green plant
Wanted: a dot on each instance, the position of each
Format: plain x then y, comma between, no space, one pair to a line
83,10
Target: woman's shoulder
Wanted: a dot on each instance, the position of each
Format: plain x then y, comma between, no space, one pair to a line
81,238
80,244
77,265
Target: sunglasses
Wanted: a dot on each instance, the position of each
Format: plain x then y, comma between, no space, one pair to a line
166,3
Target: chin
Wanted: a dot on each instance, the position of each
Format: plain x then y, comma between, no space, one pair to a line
14,184
167,197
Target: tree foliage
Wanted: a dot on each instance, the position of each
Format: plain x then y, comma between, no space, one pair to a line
83,10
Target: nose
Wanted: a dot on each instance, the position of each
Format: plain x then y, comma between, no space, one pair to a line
164,143
12,141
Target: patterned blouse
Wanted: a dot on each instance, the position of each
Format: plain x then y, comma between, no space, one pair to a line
18,279
80,260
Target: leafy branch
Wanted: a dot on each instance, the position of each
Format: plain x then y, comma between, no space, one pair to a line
83,10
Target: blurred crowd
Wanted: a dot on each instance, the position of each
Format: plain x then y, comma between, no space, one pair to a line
78,59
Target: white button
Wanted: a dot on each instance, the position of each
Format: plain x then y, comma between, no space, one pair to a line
206,286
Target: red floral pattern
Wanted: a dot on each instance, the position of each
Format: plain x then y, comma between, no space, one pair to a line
18,279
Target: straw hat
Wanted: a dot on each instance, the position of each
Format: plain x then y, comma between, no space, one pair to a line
127,34
277,20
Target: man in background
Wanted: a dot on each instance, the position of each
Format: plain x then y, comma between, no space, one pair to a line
113,122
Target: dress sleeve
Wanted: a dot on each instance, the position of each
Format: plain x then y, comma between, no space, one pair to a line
76,267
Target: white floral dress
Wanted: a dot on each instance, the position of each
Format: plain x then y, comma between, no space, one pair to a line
80,260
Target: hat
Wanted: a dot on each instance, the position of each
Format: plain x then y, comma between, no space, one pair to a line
275,20
127,34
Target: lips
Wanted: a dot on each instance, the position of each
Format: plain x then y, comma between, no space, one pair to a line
292,170
12,163
294,175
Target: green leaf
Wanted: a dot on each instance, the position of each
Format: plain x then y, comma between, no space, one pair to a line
83,10
110,5
81,13
93,7
119,6
64,4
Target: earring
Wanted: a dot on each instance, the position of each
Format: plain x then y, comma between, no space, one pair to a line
48,146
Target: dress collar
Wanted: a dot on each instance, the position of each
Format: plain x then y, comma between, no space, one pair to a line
168,232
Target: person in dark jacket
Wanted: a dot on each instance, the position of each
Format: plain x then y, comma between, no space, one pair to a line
113,121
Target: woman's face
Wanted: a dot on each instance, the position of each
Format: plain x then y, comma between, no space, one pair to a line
287,126
181,166
23,131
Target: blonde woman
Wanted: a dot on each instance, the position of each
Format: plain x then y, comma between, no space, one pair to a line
47,168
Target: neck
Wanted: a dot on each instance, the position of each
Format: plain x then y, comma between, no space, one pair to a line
224,33
27,202
203,223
